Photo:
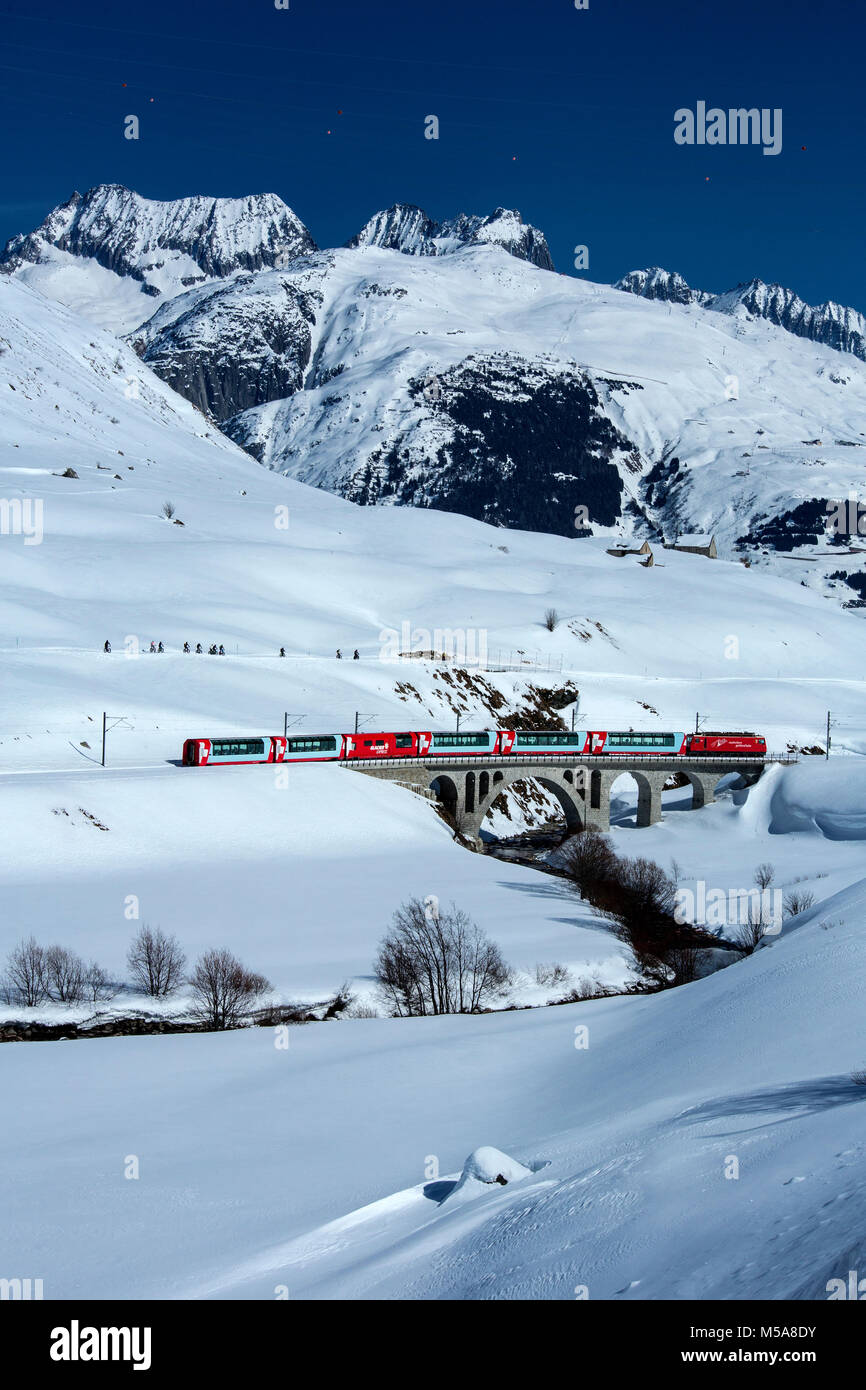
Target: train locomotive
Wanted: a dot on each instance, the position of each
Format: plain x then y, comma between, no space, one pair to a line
598,743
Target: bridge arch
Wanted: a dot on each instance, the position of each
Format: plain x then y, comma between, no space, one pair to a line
445,789
561,782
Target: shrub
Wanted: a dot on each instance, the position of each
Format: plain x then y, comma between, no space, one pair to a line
587,859
749,935
553,974
551,619
223,990
798,901
639,902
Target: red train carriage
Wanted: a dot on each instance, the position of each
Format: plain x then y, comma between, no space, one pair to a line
403,745
726,743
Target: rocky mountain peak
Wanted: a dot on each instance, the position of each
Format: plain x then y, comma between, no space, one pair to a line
409,229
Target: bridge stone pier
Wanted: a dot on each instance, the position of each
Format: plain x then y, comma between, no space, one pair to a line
468,789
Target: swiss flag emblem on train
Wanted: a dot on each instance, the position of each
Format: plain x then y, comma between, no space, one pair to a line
424,741
506,741
596,742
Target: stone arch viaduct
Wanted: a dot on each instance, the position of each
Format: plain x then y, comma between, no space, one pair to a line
468,788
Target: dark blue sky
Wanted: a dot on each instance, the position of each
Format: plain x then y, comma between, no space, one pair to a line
564,114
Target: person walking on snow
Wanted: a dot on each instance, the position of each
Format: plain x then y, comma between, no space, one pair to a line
356,657
282,651
107,647
160,648
222,651
339,655
198,650
153,646
186,647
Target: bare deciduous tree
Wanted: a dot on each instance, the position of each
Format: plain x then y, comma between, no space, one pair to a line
224,991
442,964
168,510
551,619
764,875
64,975
156,962
97,984
25,980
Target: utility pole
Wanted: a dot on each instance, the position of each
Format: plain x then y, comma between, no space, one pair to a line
118,719
827,754
458,724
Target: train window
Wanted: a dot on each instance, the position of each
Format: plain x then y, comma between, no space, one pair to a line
403,741
632,740
234,748
312,745
551,740
461,740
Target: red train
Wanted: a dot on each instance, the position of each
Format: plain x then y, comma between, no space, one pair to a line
272,748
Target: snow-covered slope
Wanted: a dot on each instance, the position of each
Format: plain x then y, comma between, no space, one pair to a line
326,573
703,1143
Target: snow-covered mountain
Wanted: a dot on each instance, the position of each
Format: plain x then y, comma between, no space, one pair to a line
479,383
407,228
665,285
832,324
154,249
443,365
